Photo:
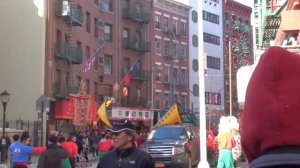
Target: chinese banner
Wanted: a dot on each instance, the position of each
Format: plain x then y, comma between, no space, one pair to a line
64,109
82,109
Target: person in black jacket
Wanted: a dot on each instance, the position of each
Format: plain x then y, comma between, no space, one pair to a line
53,156
125,154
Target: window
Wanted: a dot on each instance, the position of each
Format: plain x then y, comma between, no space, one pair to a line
212,98
194,16
183,29
166,23
183,51
210,38
183,76
175,27
157,46
157,100
126,4
195,65
183,101
196,90
167,101
96,28
167,48
108,32
59,45
195,40
157,21
106,5
88,87
158,72
176,76
213,62
107,64
125,37
88,22
87,52
213,18
79,45
167,74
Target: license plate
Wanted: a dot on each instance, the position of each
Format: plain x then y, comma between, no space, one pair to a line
158,165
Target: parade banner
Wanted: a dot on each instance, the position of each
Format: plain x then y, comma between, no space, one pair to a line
64,109
82,109
102,114
171,117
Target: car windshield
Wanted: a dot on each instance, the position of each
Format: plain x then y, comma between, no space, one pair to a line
168,133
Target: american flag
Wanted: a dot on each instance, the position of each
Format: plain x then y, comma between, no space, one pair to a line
88,64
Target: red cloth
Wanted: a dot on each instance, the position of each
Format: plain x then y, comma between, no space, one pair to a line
67,146
38,150
211,141
271,111
74,148
104,146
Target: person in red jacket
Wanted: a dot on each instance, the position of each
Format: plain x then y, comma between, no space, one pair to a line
104,145
74,150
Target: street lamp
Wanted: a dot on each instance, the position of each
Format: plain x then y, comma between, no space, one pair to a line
4,98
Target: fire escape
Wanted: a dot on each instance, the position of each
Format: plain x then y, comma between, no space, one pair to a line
71,54
283,28
139,15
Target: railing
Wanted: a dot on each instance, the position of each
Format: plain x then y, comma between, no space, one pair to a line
132,13
63,90
292,48
69,10
73,54
135,44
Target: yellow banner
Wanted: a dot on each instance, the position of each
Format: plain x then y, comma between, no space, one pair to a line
171,117
102,113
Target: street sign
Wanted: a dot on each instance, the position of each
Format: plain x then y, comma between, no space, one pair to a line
42,104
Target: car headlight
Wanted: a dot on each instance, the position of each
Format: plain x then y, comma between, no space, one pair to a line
178,150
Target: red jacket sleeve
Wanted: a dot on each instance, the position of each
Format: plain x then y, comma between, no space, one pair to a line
38,150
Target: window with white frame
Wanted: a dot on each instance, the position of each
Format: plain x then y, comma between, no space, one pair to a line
157,100
167,74
107,64
183,76
167,100
106,5
158,69
183,28
167,48
157,21
175,27
158,46
166,23
183,51
108,32
176,75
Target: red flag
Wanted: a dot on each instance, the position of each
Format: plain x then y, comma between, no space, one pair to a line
127,79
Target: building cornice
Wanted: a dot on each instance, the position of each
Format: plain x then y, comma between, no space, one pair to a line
173,7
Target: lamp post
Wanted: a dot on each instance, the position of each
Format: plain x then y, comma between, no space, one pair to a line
4,98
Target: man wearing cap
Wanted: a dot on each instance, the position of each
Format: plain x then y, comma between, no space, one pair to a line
54,156
270,121
125,154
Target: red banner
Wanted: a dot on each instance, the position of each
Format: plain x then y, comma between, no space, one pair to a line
64,109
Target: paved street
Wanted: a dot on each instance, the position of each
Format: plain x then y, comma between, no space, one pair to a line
92,164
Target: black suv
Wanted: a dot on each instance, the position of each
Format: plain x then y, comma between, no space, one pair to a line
174,146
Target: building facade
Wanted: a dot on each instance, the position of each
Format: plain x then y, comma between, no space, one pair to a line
170,55
238,49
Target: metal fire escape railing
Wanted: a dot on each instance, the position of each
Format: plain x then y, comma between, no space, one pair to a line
72,54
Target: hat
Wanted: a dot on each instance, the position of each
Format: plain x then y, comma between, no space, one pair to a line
52,139
124,125
272,104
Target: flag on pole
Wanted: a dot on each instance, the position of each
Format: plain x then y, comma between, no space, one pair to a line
128,76
88,64
102,115
171,117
